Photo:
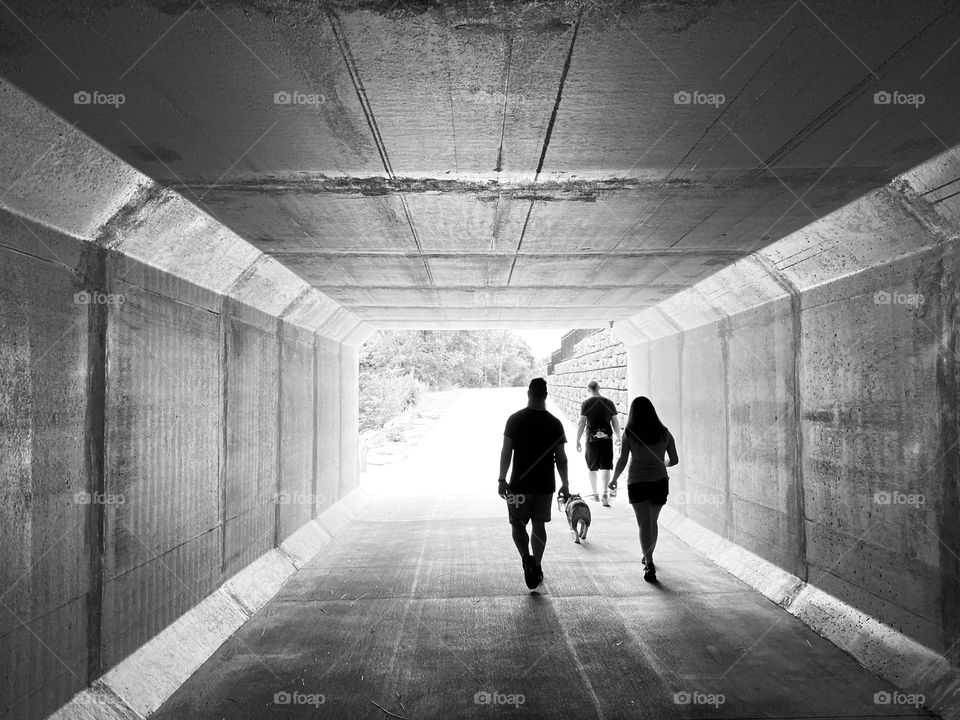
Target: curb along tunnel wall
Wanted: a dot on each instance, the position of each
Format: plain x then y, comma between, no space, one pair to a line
157,433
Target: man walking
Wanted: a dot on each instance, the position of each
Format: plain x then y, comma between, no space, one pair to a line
598,416
533,439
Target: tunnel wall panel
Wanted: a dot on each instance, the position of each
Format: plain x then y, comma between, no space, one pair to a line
328,421
162,547
704,423
664,390
295,489
349,419
761,408
250,459
869,432
44,546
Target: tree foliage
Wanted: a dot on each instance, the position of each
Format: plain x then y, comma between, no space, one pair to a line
445,359
396,364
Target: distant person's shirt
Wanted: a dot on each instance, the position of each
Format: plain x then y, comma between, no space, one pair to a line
535,435
646,461
599,411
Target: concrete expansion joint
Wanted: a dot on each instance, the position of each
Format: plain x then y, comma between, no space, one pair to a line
148,198
921,209
776,275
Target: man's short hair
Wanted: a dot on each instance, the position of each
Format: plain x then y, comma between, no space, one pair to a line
538,388
593,385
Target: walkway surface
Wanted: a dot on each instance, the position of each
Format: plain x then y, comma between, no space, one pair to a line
419,610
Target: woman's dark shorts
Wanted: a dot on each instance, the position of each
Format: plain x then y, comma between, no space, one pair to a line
599,455
655,492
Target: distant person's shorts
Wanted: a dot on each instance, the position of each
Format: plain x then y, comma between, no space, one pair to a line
524,507
599,455
655,492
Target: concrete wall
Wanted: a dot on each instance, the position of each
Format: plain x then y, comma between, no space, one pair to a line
601,357
164,419
812,388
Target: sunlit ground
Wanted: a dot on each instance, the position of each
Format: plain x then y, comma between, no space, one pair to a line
459,452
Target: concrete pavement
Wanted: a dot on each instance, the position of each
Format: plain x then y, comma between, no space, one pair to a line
420,611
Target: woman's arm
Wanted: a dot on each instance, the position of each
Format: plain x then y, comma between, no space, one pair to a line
671,451
622,461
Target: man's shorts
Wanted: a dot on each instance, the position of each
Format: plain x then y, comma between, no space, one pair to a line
655,492
599,455
524,507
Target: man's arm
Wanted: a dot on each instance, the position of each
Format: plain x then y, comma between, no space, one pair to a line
582,424
505,455
615,421
560,456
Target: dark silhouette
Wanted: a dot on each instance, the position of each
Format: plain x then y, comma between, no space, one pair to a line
600,418
646,441
533,439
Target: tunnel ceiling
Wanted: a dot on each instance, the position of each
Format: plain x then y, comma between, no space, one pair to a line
501,163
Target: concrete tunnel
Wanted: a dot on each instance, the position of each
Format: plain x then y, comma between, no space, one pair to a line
206,208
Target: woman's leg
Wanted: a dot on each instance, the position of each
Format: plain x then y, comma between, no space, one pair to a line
643,512
653,517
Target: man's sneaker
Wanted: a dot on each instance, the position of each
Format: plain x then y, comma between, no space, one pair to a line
530,571
595,497
605,501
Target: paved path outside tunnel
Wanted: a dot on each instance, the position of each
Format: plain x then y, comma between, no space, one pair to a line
420,607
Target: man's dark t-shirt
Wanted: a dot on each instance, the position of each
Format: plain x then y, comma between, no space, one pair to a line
535,435
599,411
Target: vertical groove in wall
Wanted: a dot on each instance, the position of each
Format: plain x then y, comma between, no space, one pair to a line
724,330
948,385
316,427
340,380
279,462
93,265
222,474
795,391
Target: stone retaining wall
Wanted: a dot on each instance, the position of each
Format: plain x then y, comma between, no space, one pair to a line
599,357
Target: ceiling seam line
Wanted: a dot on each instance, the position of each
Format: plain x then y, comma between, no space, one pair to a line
371,119
556,103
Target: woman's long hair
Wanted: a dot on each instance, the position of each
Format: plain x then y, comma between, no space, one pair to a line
644,423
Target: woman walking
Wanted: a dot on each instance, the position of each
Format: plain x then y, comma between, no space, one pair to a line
645,442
